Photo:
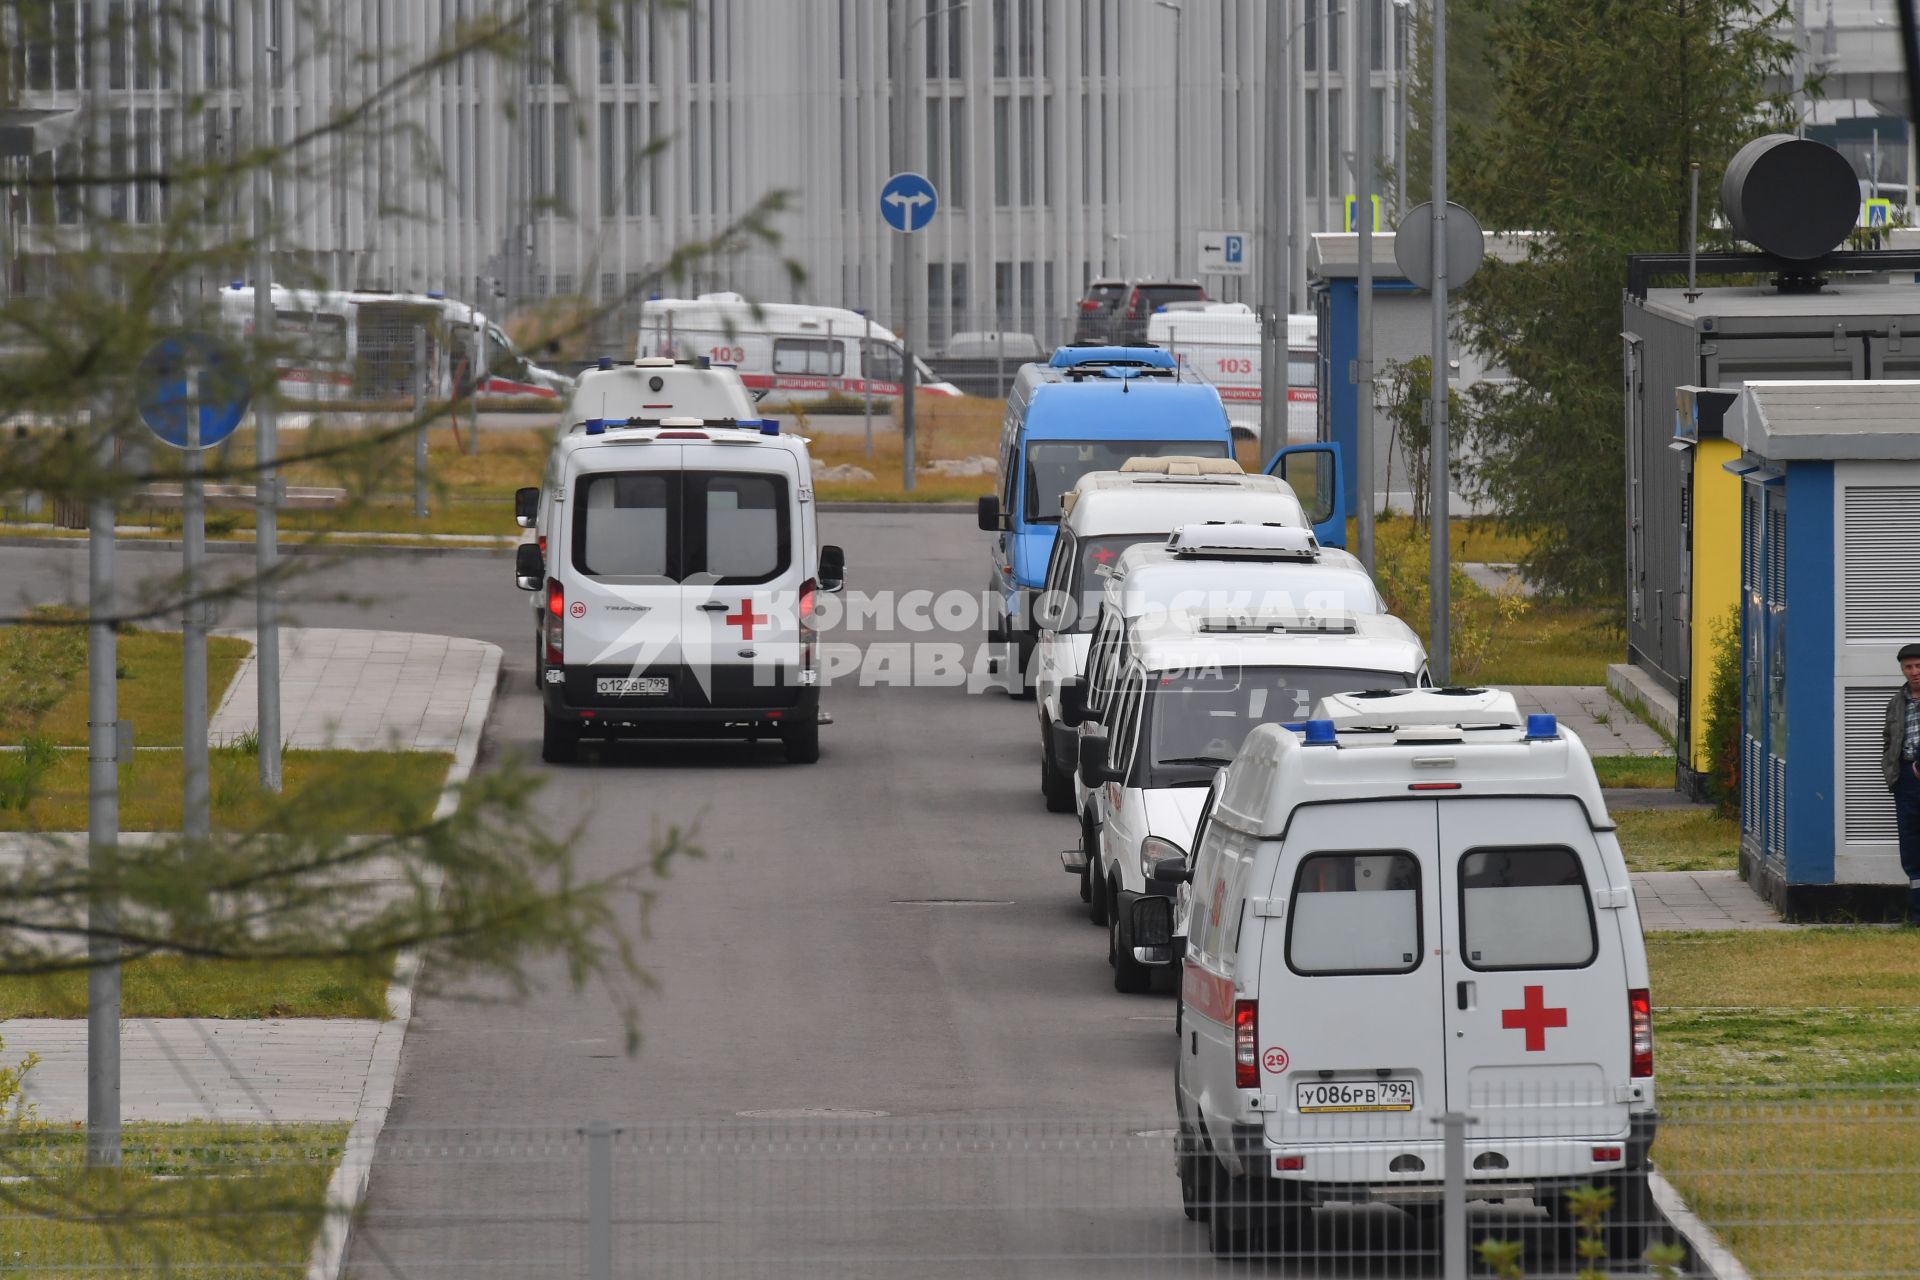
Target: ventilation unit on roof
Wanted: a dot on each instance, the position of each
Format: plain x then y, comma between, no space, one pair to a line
1180,464
1245,542
1274,624
1401,708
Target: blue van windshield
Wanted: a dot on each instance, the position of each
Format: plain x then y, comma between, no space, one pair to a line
1054,467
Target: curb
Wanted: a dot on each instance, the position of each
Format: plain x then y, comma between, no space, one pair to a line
876,508
1708,1250
348,1185
246,548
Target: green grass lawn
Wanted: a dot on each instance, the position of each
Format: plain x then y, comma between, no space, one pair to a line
220,1203
176,987
1788,1064
1646,773
43,680
1505,639
366,792
1678,840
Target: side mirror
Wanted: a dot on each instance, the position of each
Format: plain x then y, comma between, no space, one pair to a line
1094,770
989,512
1172,871
529,566
833,568
1152,921
1073,700
526,507
1066,746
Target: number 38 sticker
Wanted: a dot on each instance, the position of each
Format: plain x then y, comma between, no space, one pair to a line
1274,1060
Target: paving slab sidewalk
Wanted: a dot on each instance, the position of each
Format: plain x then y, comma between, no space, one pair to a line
1591,711
353,690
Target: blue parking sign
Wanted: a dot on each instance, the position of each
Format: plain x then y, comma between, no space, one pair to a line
1236,248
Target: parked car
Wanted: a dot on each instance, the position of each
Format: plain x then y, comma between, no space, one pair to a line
1117,310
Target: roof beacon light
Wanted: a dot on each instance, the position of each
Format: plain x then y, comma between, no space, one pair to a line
769,426
606,362
1320,733
594,426
1542,726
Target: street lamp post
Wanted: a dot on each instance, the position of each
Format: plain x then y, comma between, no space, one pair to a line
1179,140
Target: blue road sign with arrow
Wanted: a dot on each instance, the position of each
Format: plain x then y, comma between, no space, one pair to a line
908,202
192,374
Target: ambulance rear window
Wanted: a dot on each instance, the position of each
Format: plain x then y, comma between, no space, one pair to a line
1355,913
1525,908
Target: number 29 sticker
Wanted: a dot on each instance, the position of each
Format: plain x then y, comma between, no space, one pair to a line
1274,1060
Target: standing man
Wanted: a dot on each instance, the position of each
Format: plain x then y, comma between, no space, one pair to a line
1900,762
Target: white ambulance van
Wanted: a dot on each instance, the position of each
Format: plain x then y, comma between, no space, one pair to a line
1106,513
1222,567
617,396
1220,341
1188,693
676,572
1392,921
795,354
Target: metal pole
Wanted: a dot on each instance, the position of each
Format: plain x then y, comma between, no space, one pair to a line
1179,138
904,258
1362,63
473,384
103,700
1297,161
599,1201
866,366
1453,1211
266,656
196,822
1275,261
420,422
1438,662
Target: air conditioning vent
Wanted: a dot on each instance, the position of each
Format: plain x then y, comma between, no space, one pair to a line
1882,529
1867,805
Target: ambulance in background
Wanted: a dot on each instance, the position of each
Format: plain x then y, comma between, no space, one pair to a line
360,345
788,353
1220,342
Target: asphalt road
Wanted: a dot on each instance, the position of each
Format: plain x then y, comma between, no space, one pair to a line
887,931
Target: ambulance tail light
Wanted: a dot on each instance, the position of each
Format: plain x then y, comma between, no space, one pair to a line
1640,1003
1246,1041
807,590
555,628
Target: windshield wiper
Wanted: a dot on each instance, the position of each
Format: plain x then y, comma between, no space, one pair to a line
1206,760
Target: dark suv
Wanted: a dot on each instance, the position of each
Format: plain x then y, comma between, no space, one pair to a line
1116,311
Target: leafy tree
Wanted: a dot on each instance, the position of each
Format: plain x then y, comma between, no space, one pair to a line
486,893
1602,106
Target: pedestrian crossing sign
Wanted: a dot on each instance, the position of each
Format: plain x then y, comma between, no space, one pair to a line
1877,212
1349,223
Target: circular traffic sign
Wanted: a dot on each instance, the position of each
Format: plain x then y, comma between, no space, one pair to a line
1413,245
196,391
908,202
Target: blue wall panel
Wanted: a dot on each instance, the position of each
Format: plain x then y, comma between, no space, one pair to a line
1811,571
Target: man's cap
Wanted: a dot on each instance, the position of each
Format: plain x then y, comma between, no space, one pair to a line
1909,651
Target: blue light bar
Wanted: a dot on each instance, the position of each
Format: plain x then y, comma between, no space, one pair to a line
769,426
595,426
606,362
1320,733
1075,357
1542,726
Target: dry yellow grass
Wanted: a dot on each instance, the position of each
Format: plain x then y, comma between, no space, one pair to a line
963,427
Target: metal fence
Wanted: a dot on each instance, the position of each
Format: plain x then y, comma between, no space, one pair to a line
1793,1186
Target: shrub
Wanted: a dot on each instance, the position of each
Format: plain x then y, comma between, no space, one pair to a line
1723,715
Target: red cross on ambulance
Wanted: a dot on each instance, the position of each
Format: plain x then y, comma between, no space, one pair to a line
746,619
1534,1018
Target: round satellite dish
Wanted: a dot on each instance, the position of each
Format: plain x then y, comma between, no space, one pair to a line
1413,245
1792,197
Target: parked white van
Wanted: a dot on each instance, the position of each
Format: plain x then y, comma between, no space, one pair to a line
678,576
792,353
1220,341
1187,694
1104,515
1393,921
1226,568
